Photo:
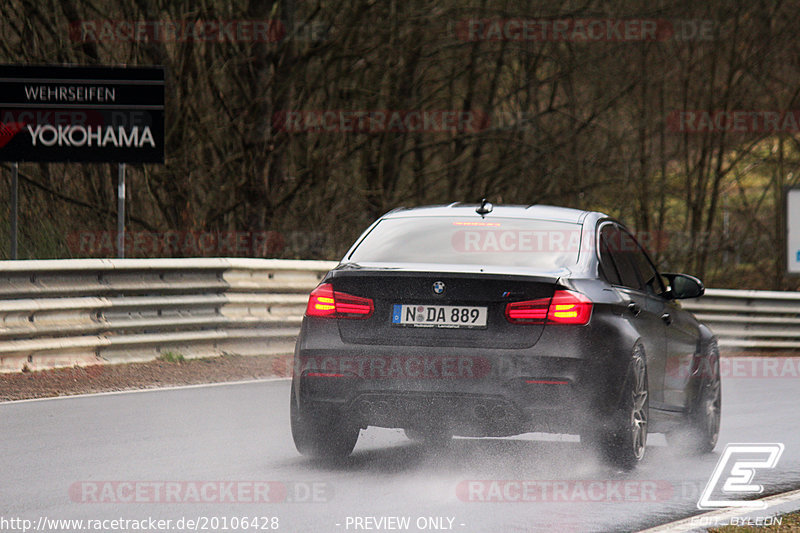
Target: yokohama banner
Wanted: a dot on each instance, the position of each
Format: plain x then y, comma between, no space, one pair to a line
82,114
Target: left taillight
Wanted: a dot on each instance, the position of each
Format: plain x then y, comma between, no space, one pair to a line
324,302
565,307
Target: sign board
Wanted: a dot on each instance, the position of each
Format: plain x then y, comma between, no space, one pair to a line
793,231
82,114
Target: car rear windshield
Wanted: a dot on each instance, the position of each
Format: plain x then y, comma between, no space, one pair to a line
541,244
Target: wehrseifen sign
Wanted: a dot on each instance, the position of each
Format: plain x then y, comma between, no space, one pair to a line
81,114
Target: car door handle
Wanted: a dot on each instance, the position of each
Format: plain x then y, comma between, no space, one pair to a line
634,308
667,318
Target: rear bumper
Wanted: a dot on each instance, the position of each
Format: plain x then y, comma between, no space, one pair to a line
562,384
460,413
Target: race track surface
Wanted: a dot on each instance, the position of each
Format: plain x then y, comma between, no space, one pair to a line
218,454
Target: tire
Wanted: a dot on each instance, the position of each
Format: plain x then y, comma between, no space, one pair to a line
700,432
623,441
323,432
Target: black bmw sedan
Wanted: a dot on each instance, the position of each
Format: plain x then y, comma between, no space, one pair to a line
475,320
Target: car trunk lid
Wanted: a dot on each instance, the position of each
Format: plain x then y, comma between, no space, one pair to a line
432,287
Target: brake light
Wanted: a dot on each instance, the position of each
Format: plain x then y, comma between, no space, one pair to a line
528,312
569,307
324,302
565,307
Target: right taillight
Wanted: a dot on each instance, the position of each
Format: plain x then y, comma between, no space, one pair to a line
565,307
324,302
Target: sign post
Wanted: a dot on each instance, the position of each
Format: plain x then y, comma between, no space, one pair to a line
14,207
121,211
81,114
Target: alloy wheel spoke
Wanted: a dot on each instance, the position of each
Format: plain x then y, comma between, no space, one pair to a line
639,401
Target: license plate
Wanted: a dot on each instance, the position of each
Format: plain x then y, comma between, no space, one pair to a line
442,316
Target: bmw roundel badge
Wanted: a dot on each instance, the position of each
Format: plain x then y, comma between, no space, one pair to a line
438,287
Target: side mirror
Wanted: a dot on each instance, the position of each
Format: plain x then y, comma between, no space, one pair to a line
684,286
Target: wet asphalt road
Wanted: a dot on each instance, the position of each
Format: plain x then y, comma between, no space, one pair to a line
184,450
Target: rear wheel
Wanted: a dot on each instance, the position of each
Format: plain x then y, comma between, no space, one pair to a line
623,441
321,432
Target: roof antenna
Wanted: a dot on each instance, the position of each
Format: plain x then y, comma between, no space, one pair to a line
485,208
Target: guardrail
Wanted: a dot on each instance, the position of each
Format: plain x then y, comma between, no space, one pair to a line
761,320
89,311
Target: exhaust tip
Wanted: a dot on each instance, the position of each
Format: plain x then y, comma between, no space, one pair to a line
381,407
364,407
499,411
